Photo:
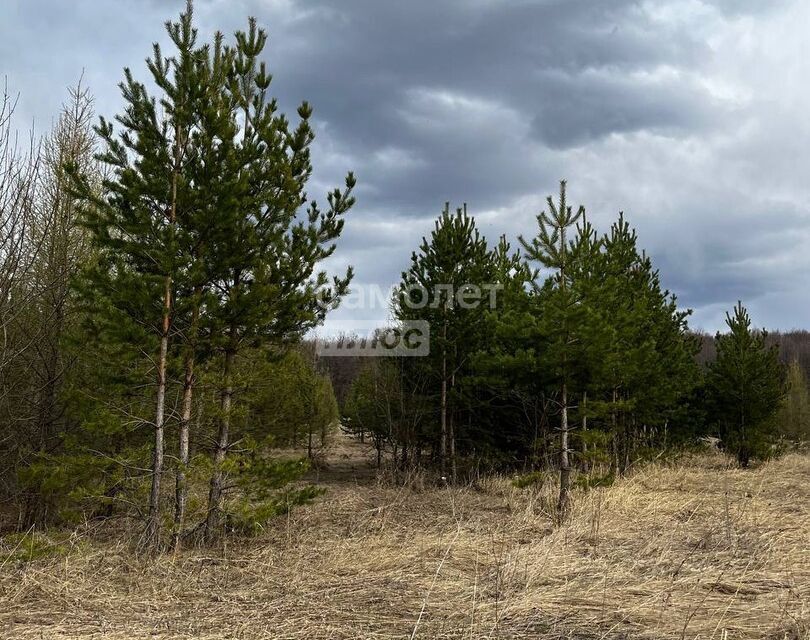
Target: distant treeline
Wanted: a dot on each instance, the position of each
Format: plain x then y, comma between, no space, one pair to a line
794,346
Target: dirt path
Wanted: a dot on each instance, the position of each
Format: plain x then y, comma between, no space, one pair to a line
345,461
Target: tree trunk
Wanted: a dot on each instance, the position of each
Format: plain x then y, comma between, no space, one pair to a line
151,539
743,454
180,488
586,464
628,442
565,468
443,440
213,517
615,427
451,437
152,534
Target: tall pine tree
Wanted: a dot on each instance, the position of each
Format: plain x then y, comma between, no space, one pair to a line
263,255
134,226
557,247
202,241
746,387
448,285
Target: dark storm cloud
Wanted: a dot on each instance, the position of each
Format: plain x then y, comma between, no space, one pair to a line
369,65
598,105
689,115
454,86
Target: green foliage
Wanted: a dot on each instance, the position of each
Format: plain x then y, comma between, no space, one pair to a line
95,465
587,481
595,336
72,487
265,488
594,446
557,298
454,283
204,275
642,368
746,387
206,243
287,398
30,546
534,480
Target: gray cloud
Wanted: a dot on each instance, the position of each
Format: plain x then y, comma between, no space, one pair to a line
689,116
596,105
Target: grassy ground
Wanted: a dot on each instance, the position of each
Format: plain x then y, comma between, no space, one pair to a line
697,550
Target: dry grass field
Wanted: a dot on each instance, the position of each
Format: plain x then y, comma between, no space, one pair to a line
696,550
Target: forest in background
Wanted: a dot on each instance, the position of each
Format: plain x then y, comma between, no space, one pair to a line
160,273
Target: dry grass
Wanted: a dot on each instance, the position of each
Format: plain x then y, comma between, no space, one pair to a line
690,551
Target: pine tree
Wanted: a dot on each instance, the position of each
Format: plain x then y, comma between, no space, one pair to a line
135,225
213,125
511,370
557,247
200,240
263,255
745,384
642,358
444,286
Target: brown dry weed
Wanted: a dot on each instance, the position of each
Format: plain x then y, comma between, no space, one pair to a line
694,550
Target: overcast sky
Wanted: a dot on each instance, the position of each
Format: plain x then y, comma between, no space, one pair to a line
690,116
